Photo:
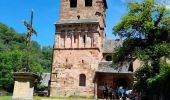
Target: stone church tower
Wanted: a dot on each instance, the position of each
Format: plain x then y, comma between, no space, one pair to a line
79,37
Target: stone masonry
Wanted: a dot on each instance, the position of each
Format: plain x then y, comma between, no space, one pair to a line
79,37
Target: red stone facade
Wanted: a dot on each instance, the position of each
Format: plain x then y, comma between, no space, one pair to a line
79,36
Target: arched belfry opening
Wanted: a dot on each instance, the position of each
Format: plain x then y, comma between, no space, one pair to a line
73,3
88,3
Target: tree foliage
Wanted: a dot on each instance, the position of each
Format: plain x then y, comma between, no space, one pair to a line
13,54
145,29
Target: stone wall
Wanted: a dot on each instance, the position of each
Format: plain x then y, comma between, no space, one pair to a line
66,12
137,64
67,66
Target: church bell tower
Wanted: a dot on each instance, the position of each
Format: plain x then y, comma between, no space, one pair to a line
79,36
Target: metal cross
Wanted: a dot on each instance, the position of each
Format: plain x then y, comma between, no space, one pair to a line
28,39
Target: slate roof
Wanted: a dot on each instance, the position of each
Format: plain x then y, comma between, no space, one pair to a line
109,45
107,67
71,21
45,79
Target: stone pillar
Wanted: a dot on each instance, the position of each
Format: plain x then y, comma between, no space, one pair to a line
71,39
65,39
92,39
91,36
58,39
95,88
24,86
78,39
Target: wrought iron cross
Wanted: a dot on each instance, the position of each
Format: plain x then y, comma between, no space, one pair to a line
28,39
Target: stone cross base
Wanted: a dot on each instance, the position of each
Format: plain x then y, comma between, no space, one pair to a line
24,86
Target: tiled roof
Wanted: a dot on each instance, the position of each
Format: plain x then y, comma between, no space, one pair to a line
45,79
107,67
109,45
70,21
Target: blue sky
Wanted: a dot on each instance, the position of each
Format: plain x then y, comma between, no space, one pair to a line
46,14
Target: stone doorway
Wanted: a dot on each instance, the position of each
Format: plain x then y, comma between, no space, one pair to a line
112,79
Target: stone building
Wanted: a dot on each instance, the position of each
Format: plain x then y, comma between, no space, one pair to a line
82,55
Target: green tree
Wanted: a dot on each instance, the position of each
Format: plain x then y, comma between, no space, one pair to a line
46,57
10,62
13,54
146,33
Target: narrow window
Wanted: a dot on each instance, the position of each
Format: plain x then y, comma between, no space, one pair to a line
84,38
73,3
78,16
130,67
82,80
88,3
82,61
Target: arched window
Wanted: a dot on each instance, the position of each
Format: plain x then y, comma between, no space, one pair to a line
82,80
108,58
73,3
88,3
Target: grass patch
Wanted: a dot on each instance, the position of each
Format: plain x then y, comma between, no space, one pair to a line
62,98
5,98
48,98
